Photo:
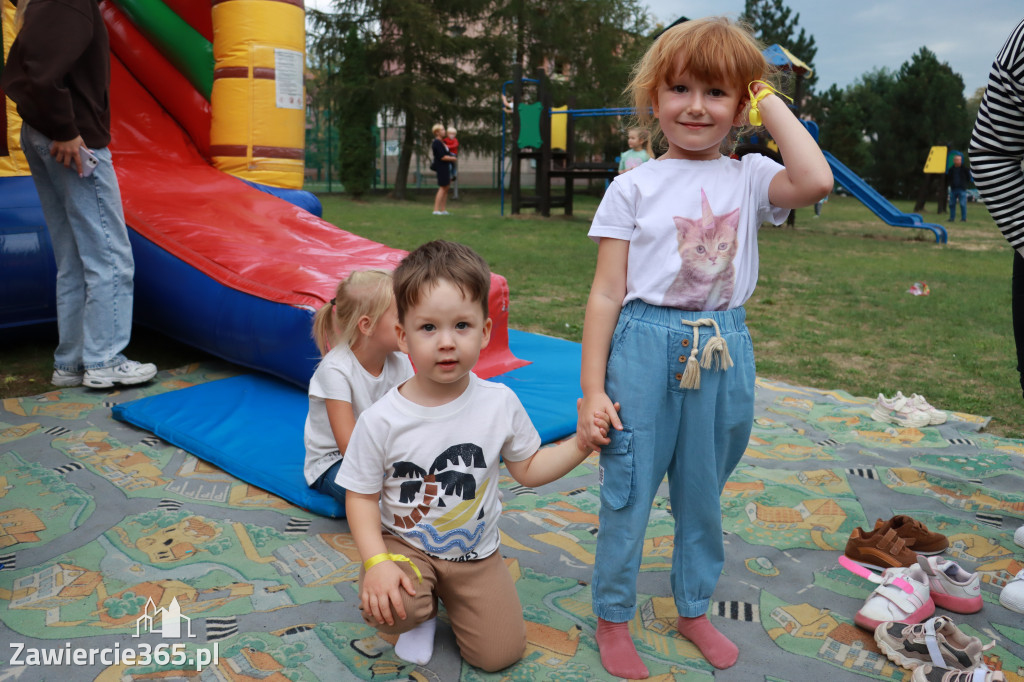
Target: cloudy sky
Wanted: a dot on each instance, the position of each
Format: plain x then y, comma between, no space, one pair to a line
855,37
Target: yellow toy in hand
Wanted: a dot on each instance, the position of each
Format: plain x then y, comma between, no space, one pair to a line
755,115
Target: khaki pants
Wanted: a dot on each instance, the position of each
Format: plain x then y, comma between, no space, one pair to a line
479,596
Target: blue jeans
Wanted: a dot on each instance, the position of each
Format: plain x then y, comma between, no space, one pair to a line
327,485
956,195
95,268
695,435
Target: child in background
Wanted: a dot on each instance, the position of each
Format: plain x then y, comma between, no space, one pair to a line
637,152
356,336
422,472
452,143
664,332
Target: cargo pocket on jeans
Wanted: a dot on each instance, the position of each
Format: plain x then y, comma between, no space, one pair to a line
616,469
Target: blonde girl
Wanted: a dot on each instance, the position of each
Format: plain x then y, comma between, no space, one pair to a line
639,152
664,332
356,335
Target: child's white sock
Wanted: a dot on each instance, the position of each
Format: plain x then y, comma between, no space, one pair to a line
417,645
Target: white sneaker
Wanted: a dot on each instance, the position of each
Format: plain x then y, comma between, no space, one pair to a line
952,587
438,213
1012,596
898,410
1018,536
128,373
64,379
903,595
935,417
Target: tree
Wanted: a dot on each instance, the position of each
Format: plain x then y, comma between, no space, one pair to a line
840,120
416,51
926,108
771,22
356,115
592,69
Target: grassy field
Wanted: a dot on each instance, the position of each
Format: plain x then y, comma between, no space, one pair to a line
831,309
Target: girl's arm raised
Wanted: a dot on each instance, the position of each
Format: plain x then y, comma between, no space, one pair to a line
806,177
603,307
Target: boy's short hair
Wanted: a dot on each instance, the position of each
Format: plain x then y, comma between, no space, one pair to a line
452,132
438,261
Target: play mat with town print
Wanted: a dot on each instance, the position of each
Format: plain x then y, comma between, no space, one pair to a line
107,532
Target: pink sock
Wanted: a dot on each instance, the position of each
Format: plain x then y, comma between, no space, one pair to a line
618,654
715,646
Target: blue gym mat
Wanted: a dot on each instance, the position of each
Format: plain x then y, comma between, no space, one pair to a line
251,425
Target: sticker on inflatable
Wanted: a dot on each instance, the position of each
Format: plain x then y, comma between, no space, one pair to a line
288,79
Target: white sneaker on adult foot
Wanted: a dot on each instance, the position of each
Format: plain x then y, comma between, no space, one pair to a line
417,645
1018,536
128,373
62,378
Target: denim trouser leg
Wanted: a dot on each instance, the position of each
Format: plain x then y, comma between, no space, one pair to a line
696,436
95,268
955,196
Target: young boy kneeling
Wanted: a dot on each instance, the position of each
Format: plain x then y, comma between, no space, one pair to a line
422,467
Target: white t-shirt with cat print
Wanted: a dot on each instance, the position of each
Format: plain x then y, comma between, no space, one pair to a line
692,229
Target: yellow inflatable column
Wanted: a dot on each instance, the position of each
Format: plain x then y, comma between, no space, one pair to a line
258,102
12,159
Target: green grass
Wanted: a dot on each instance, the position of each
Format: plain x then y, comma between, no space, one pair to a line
831,309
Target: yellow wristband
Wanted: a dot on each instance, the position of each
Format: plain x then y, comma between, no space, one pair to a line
379,558
755,115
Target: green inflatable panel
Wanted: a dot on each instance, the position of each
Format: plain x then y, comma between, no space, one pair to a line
186,48
529,125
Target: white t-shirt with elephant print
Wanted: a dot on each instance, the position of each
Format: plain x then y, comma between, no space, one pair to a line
437,468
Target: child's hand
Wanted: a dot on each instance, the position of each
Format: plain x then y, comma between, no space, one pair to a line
380,592
595,416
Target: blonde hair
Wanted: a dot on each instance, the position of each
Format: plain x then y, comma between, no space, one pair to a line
438,128
713,49
19,14
363,292
451,132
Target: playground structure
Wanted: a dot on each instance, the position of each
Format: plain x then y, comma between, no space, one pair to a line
220,265
547,135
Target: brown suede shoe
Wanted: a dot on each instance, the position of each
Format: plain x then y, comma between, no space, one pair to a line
915,534
880,548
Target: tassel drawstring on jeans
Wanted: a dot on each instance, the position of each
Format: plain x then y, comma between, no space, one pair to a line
716,352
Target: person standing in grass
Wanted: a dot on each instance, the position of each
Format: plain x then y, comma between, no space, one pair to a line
997,150
441,164
957,179
665,333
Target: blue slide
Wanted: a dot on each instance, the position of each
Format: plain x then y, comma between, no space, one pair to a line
878,204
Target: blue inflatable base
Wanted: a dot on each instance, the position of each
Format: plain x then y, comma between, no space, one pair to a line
251,425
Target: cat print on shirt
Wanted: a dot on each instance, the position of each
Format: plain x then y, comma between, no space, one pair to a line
707,247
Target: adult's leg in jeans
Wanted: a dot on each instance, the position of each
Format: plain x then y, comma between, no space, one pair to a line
92,208
70,273
1017,290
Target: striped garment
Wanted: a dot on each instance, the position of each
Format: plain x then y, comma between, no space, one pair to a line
997,145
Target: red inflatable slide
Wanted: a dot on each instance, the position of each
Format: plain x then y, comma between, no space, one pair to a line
220,265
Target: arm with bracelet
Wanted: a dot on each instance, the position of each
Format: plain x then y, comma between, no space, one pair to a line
806,177
380,591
